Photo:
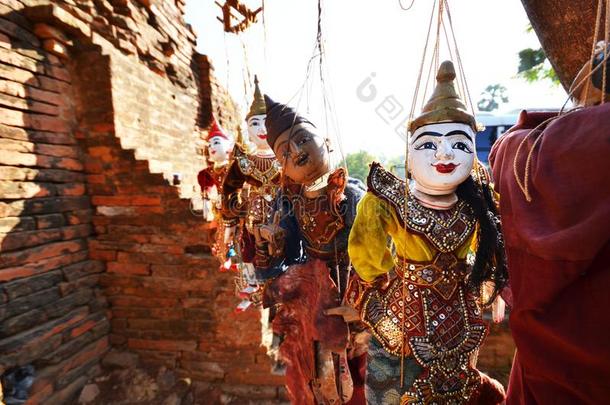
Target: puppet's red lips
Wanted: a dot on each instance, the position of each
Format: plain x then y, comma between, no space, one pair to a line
445,168
262,136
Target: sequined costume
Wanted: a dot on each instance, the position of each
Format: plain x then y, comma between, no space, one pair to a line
248,191
308,278
416,300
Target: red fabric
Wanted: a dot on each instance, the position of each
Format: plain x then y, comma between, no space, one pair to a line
305,291
357,368
559,257
206,180
491,392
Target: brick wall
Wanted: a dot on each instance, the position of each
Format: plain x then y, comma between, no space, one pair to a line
52,311
101,103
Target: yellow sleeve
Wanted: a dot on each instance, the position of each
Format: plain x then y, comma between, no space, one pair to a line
368,239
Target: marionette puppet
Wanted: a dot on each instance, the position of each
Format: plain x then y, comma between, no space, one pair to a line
302,257
218,156
423,303
248,190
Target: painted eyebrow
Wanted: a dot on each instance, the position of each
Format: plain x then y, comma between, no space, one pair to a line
455,132
298,131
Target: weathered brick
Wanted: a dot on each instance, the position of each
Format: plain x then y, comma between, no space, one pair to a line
161,345
14,190
48,32
77,270
37,337
34,121
80,335
79,217
28,105
50,221
33,255
19,240
66,288
16,224
34,136
149,302
23,287
128,268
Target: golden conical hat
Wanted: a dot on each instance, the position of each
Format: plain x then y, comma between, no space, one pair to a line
258,104
445,105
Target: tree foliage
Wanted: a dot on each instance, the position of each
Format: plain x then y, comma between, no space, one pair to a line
358,164
534,65
491,98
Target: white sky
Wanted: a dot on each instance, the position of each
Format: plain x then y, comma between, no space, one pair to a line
364,37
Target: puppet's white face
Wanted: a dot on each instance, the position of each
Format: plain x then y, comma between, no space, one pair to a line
219,149
257,131
441,156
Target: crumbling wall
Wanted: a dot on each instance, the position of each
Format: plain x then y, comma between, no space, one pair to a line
101,105
53,314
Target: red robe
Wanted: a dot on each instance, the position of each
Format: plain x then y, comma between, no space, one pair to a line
559,257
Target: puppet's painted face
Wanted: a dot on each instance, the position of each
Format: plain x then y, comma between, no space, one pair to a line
257,131
219,149
303,154
441,156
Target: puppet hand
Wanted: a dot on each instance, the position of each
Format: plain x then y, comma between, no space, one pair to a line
349,314
274,235
497,309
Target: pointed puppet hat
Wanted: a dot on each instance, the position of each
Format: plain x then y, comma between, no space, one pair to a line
280,117
216,130
258,103
445,105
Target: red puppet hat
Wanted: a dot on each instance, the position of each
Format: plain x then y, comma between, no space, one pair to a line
216,130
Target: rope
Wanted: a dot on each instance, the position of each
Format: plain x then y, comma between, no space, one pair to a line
459,59
411,114
524,184
421,68
246,74
598,16
407,8
264,32
606,37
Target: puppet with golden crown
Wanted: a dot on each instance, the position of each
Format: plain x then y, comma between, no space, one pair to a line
422,301
248,189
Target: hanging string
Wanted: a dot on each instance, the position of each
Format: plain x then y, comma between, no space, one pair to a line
406,8
264,32
247,75
605,51
421,67
598,16
459,59
523,184
227,58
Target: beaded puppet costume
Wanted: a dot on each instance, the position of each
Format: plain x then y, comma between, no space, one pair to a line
249,188
210,179
307,271
422,302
